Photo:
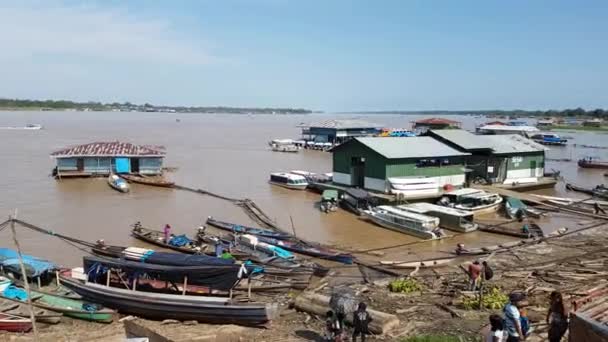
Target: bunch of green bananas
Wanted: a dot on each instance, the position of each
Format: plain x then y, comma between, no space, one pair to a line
404,285
494,299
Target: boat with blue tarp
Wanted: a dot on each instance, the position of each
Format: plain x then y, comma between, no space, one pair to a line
34,267
306,248
237,228
549,139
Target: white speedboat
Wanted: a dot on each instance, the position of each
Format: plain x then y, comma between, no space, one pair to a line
30,127
288,180
402,221
477,201
118,183
285,148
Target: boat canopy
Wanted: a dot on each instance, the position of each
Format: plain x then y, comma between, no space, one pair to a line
423,208
220,277
329,195
408,215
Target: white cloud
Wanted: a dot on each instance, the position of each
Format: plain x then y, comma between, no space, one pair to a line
97,33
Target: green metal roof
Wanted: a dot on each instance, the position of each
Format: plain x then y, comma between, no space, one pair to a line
409,147
464,139
499,144
513,143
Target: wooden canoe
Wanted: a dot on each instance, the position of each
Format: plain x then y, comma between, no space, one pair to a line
14,323
152,181
418,264
156,237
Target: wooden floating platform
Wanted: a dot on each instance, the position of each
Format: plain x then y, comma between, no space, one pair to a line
543,183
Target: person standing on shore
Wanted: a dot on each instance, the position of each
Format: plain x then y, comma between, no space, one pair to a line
361,320
167,232
597,209
513,318
474,275
557,317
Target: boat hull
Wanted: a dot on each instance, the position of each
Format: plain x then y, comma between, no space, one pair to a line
593,165
13,324
146,181
290,186
428,235
235,228
154,306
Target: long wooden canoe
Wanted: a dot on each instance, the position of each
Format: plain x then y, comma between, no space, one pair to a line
153,181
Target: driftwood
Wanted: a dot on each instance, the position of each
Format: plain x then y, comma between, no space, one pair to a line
318,305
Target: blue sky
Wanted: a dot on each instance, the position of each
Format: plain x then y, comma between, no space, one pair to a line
327,55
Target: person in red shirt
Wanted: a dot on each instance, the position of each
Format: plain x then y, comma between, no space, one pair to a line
475,274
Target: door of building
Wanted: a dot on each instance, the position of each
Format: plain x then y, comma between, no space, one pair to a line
533,168
80,164
357,172
135,165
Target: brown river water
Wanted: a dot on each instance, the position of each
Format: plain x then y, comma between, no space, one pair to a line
223,153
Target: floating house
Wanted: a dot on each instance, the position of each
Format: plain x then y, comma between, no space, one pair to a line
544,123
592,123
103,158
505,159
339,131
415,167
435,123
507,129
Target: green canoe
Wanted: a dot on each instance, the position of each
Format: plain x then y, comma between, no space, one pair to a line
71,307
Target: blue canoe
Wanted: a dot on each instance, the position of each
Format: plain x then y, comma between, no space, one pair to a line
305,248
237,228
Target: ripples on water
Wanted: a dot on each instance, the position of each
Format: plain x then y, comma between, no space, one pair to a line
222,153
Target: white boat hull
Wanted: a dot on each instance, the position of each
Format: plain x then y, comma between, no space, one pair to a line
418,264
291,186
428,235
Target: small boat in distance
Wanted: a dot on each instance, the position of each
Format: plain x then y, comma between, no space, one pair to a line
592,163
285,148
329,201
30,127
399,220
288,180
118,183
477,201
549,139
599,191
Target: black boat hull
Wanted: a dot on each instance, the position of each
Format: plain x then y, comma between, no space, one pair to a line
164,308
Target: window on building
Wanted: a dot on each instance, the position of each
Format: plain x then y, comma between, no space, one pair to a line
432,162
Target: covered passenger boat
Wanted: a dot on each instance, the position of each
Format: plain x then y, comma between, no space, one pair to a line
450,218
219,277
403,221
219,310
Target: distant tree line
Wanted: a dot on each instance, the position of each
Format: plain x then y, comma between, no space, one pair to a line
127,106
596,113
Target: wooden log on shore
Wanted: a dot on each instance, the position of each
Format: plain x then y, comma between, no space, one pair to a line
318,304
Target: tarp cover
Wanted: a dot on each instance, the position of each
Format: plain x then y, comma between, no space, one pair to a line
178,259
34,267
220,277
